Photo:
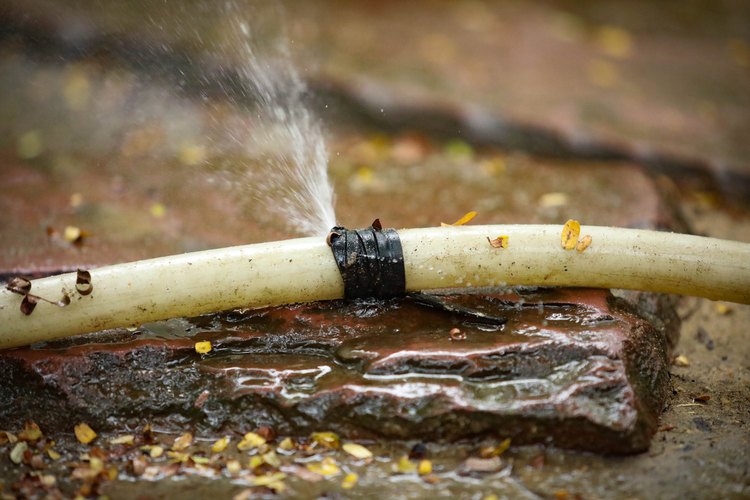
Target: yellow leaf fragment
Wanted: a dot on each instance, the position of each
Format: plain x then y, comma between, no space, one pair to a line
157,210
552,200
125,439
234,467
681,360
277,486
357,450
350,481
424,467
96,464
249,441
405,466
112,473
220,445
493,166
286,444
583,243
463,220
495,451
84,433
722,308
192,154
76,200
16,454
178,456
502,447
30,145
182,442
255,461
30,432
72,233
53,454
571,231
327,467
200,460
154,451
267,480
272,459
8,437
327,439
459,150
499,242
203,347
614,41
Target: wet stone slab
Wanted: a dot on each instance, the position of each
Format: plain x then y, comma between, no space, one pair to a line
572,368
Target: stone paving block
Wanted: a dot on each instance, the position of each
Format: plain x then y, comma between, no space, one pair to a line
572,368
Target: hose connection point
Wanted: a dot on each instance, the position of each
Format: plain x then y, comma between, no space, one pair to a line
370,260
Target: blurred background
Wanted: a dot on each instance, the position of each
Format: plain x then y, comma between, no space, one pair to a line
128,127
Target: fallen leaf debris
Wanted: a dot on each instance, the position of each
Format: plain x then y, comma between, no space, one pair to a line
569,239
499,242
463,220
260,466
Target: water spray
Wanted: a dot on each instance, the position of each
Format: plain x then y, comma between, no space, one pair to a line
371,262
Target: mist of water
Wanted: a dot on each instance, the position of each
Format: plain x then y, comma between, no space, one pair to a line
285,169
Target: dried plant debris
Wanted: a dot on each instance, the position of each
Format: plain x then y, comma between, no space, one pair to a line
18,451
83,282
495,451
463,220
74,235
203,347
31,432
571,231
357,451
22,286
350,481
424,468
265,466
569,239
251,440
126,439
327,439
583,243
71,236
19,285
499,242
681,360
182,442
376,225
28,304
84,433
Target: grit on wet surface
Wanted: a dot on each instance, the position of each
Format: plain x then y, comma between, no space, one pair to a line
102,162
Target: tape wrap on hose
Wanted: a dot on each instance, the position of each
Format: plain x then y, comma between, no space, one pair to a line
370,260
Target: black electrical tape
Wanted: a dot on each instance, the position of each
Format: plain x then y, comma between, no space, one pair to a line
370,261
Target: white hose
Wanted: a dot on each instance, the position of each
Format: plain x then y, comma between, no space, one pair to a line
303,270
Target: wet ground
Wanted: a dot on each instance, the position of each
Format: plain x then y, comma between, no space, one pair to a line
616,115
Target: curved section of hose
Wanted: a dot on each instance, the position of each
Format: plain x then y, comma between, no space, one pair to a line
304,270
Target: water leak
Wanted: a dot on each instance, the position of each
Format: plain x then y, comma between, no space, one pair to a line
286,161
